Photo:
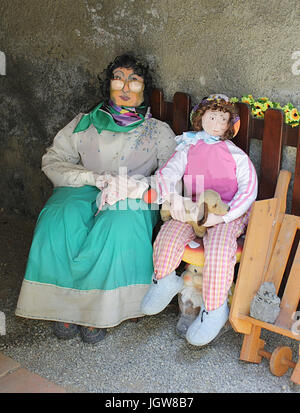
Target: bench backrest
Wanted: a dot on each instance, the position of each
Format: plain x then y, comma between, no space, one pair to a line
271,130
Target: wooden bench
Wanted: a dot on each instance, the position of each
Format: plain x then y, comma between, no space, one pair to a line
272,131
271,249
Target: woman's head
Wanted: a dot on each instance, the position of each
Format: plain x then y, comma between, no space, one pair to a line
217,116
128,81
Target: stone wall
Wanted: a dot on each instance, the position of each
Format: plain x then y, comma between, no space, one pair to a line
56,48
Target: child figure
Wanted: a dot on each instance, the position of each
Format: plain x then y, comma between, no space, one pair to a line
206,155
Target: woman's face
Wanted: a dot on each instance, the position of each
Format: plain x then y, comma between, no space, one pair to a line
215,122
126,88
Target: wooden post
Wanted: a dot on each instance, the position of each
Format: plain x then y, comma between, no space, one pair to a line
252,344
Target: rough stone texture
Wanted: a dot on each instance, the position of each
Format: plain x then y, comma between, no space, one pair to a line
55,50
265,305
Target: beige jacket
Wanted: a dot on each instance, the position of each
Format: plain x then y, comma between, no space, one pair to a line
75,159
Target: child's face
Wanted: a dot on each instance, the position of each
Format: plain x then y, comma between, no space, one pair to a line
215,122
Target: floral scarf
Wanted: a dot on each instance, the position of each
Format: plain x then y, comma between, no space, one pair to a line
113,118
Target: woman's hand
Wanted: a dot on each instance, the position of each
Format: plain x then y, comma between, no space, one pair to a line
101,181
120,187
213,219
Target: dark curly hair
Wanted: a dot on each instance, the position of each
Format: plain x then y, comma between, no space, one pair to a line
217,105
129,61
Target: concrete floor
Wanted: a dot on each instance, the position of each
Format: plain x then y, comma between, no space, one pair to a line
143,357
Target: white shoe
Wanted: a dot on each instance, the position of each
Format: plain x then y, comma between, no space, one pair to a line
207,325
160,293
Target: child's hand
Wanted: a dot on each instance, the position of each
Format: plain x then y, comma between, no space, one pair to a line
213,219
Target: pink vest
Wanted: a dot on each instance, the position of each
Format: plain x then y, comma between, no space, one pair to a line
215,167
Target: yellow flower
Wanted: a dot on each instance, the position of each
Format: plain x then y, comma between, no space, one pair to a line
248,99
259,105
268,104
258,113
288,107
287,116
294,115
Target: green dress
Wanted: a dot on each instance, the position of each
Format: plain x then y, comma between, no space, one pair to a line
86,268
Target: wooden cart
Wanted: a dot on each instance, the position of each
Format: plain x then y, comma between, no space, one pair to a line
267,250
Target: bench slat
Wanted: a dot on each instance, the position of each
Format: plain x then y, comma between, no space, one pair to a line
242,140
296,190
271,153
181,112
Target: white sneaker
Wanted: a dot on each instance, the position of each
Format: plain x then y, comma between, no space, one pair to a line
207,325
160,293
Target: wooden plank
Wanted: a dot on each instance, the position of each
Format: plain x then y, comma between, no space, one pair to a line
296,189
253,259
290,135
282,250
181,112
168,113
242,140
271,153
291,296
296,372
252,343
157,104
280,194
271,327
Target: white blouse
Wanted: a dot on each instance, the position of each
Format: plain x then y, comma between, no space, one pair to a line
74,158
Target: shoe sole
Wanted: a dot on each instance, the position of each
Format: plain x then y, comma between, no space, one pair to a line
61,335
227,327
93,340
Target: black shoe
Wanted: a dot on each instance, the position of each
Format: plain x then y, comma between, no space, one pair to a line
92,335
65,331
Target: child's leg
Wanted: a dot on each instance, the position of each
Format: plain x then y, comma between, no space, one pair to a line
169,245
168,250
220,247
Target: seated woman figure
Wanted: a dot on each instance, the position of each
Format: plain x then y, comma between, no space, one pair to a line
89,271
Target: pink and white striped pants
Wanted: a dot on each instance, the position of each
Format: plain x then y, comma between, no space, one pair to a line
220,245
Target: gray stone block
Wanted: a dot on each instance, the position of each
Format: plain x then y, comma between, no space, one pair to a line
265,305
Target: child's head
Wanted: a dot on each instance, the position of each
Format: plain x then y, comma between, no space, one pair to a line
217,116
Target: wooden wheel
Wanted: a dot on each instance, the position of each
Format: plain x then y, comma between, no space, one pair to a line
281,361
